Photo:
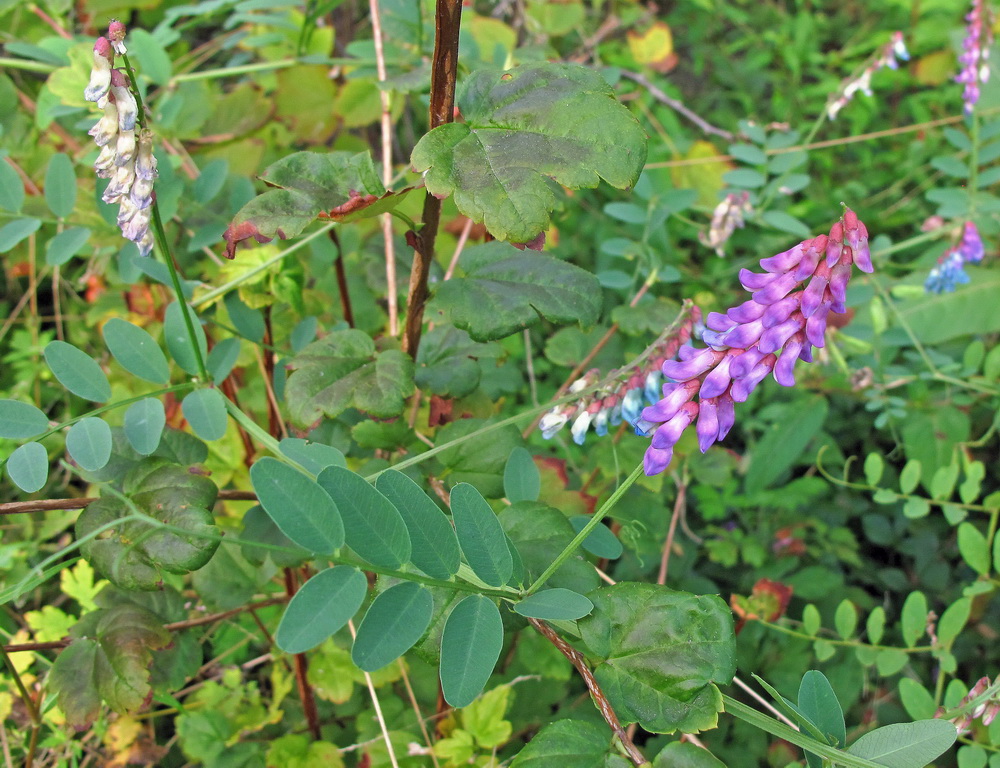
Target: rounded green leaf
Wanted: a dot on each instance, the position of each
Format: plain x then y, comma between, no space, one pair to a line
874,466
205,411
249,322
521,479
323,605
910,476
136,351
846,619
89,443
556,604
11,188
683,754
313,457
144,422
480,536
953,620
374,528
20,420
917,700
913,617
875,625
222,358
434,546
819,704
974,548
470,647
65,245
77,371
14,232
175,334
395,621
299,506
600,541
60,185
28,467
906,745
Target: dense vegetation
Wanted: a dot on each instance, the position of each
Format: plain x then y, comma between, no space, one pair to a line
411,383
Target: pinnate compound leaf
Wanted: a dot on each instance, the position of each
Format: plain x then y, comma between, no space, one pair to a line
470,647
299,506
344,370
374,528
505,290
20,420
395,621
481,536
28,467
323,605
109,659
337,186
566,744
135,554
89,443
906,745
555,604
77,371
663,653
478,460
523,127
434,545
144,423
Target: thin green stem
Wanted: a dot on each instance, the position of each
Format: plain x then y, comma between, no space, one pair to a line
26,65
594,521
776,184
767,724
973,163
266,66
847,643
263,437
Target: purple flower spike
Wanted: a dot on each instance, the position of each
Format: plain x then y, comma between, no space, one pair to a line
971,246
769,334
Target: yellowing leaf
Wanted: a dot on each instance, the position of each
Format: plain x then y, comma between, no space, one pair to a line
654,47
705,177
935,68
49,624
78,582
483,718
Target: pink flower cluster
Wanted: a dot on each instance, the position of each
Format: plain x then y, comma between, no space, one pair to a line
887,58
766,335
975,53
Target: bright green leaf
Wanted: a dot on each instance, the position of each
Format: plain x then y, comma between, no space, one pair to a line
845,620
974,548
913,617
819,703
917,700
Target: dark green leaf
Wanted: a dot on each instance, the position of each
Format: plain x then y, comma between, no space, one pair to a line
144,423
77,371
556,604
783,444
539,533
205,411
136,350
447,362
209,183
339,185
28,467
521,478
249,322
906,745
750,154
663,652
14,232
154,62
313,457
601,541
786,223
819,703
745,177
134,554
343,370
20,420
11,188
374,528
434,544
470,646
395,621
65,245
259,528
323,605
299,506
480,536
682,754
175,334
566,744
505,290
222,358
303,333
60,185
523,127
479,460
89,443
649,317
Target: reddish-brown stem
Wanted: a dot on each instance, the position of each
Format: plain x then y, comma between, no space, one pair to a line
447,20
679,502
606,710
49,505
338,266
302,670
273,416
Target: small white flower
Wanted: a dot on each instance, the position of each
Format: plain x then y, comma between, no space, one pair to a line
145,162
552,422
100,74
580,426
146,244
120,184
105,163
128,110
106,129
125,148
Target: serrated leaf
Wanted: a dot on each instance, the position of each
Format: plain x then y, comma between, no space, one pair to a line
77,371
521,478
906,745
28,467
663,653
135,554
395,621
344,370
298,505
480,536
65,245
89,443
555,604
205,411
322,605
136,351
505,290
144,423
470,646
523,127
434,545
565,744
336,186
60,185
20,420
374,528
